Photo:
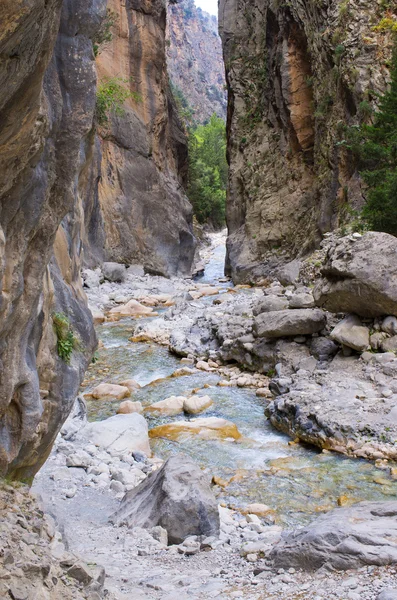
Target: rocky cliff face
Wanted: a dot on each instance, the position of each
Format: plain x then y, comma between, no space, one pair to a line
47,100
296,73
137,211
195,59
65,190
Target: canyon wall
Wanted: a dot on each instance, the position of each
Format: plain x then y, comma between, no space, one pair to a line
136,209
195,60
74,193
47,102
297,73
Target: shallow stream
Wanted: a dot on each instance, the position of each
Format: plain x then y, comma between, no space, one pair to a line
294,480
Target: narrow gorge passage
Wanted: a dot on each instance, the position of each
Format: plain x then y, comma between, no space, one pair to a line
198,300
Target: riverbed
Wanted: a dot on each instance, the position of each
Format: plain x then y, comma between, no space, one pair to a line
294,480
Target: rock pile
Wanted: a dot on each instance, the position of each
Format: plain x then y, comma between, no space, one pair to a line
34,562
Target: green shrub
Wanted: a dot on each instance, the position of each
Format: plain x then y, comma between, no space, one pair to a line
66,338
111,95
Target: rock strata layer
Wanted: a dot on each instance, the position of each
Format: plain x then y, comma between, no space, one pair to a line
136,209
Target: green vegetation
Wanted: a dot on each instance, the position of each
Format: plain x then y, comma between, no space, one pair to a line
66,338
375,146
208,171
111,95
388,23
185,111
104,34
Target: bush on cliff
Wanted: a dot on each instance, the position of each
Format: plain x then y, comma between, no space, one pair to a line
208,171
112,92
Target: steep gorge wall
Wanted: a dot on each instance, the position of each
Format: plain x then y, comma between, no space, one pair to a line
47,101
69,196
195,60
137,211
297,73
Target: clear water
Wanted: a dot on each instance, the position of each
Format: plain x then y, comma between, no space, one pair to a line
296,481
215,269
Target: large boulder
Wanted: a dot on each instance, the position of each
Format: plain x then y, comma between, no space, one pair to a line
345,538
114,272
351,333
121,434
360,276
177,497
270,304
286,323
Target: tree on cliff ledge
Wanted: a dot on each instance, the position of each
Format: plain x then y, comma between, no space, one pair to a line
376,147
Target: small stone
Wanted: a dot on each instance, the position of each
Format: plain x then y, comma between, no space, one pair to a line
81,573
252,558
160,534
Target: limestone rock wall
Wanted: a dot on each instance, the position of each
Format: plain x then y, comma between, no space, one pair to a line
195,60
297,73
136,209
47,101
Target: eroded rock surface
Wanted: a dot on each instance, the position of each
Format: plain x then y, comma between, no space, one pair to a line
345,538
360,276
47,102
295,72
136,210
195,61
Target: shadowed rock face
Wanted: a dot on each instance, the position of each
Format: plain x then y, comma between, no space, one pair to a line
47,100
137,211
295,72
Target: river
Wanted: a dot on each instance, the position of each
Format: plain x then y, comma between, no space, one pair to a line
296,481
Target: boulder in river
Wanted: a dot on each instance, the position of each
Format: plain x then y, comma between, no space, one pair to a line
128,407
121,434
285,323
345,538
177,497
169,407
360,276
196,404
109,391
133,308
206,428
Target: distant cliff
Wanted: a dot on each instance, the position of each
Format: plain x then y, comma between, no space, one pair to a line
297,73
195,60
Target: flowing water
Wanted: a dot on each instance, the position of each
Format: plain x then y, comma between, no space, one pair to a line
294,480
